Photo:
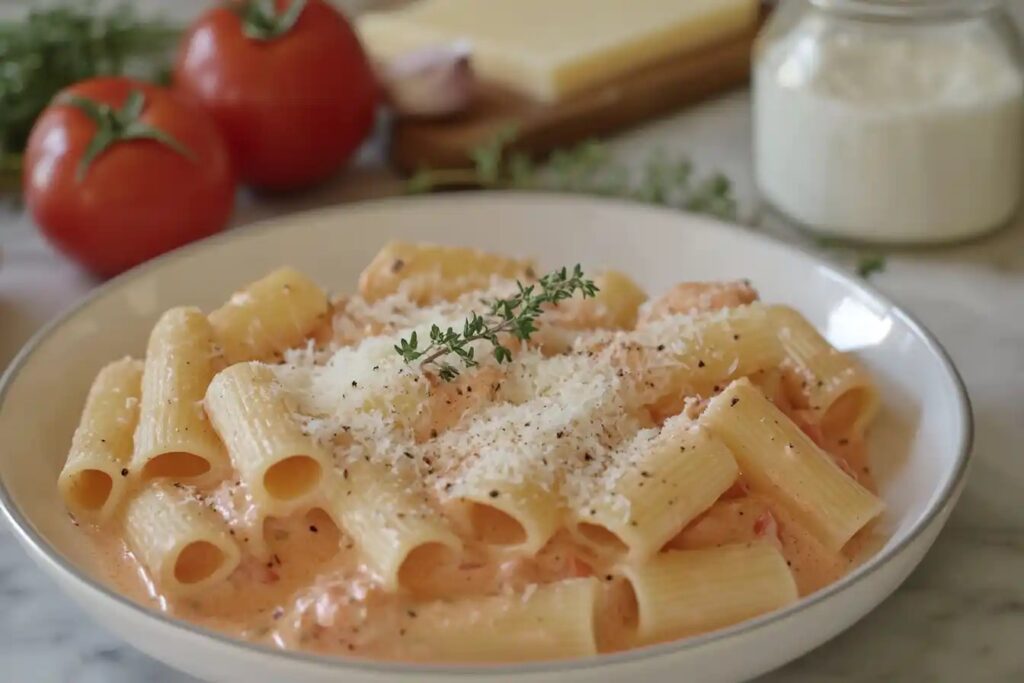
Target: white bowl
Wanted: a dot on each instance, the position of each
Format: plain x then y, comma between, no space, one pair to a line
921,444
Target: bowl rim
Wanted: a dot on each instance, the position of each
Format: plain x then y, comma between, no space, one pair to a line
44,551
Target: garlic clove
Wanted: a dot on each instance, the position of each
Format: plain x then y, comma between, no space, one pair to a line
433,81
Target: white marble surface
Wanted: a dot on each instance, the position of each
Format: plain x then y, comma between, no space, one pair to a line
960,616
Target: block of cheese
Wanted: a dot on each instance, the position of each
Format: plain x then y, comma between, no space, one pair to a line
550,49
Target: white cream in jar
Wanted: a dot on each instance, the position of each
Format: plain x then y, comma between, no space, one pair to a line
878,131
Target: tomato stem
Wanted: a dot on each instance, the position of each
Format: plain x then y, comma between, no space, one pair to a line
117,125
261,20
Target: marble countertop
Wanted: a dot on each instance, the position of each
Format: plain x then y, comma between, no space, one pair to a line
959,617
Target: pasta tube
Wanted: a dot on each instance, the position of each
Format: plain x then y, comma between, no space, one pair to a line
275,313
776,457
552,621
399,535
282,466
839,394
93,480
671,477
174,438
683,592
183,543
428,272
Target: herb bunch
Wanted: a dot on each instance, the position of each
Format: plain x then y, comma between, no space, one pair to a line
515,315
52,48
587,168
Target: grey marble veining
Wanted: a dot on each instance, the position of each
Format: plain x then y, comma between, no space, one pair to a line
958,618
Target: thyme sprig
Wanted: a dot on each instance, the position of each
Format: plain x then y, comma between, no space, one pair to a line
516,315
586,168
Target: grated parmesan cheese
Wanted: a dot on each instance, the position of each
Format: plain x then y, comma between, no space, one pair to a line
569,423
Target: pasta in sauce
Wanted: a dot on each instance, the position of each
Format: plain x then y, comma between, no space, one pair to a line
637,472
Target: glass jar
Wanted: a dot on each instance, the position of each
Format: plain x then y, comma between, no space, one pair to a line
890,121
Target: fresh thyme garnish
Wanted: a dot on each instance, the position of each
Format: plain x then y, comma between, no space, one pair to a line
869,264
586,168
515,315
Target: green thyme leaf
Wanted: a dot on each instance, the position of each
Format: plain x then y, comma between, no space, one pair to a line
586,168
869,264
516,315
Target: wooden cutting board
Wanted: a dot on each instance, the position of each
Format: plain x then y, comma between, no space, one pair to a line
628,100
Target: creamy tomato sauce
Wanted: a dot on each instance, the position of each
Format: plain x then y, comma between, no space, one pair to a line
311,592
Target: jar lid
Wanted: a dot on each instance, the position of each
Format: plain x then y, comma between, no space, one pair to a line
909,9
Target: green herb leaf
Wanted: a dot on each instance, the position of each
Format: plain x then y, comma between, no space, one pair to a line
869,264
488,157
516,315
52,48
586,168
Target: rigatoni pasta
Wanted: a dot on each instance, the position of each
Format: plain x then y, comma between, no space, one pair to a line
94,477
428,273
833,386
682,592
777,457
521,515
472,462
273,314
671,477
281,466
184,545
554,621
399,535
174,439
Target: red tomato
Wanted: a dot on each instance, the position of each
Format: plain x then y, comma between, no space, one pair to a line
293,105
137,198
